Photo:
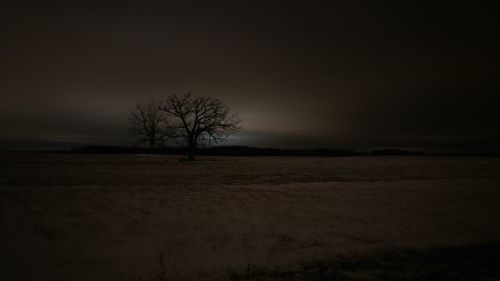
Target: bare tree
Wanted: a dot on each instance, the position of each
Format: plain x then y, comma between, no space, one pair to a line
196,120
147,121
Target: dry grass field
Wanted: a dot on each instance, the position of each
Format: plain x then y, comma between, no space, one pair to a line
138,217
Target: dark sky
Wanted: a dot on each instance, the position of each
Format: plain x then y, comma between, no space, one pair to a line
300,73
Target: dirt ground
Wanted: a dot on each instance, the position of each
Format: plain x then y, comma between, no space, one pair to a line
139,217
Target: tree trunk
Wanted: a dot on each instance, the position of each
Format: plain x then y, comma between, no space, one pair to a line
191,150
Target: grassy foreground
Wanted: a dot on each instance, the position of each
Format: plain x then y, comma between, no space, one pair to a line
108,217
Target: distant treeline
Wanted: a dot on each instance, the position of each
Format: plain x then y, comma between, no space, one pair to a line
255,151
237,151
216,151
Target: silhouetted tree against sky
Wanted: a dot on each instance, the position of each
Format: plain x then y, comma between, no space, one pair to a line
196,120
147,121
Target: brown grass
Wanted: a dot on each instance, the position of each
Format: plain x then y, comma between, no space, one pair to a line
85,217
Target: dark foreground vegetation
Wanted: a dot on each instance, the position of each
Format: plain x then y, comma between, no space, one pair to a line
473,262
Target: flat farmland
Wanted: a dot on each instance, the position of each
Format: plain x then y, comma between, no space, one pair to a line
154,217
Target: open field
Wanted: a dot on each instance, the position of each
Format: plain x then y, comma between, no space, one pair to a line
138,217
